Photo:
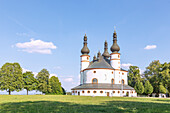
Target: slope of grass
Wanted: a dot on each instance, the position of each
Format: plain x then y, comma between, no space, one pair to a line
80,104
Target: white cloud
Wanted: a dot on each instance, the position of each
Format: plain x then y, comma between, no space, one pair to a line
150,47
126,66
36,46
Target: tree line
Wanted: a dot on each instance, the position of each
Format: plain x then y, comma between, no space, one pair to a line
155,79
13,79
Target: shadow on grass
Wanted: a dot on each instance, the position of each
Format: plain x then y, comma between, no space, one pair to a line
66,107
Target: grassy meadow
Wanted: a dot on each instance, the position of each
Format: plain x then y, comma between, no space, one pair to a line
80,104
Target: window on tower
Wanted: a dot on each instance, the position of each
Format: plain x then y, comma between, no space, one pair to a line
94,81
112,81
123,81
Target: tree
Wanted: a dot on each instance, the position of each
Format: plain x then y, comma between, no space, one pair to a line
64,91
139,87
55,85
168,86
43,81
133,75
165,74
148,88
162,89
30,83
152,74
11,77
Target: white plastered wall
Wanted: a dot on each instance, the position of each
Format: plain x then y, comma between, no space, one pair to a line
115,60
119,93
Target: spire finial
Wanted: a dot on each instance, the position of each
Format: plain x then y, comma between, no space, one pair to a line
106,53
115,48
114,28
85,49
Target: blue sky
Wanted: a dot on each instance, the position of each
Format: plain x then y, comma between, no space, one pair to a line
49,34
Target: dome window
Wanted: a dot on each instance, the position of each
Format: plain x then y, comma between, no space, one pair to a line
94,81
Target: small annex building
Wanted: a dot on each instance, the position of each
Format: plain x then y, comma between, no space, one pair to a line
103,76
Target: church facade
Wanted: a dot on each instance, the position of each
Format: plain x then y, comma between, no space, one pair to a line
103,76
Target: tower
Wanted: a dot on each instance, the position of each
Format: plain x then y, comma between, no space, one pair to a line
84,58
106,54
115,56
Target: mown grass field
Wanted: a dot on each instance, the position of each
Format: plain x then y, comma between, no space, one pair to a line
80,104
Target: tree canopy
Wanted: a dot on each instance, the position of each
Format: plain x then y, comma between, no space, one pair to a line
133,75
30,83
55,85
43,81
148,87
11,77
139,88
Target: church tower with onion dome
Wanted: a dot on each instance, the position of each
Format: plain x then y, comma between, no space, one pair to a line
103,76
115,55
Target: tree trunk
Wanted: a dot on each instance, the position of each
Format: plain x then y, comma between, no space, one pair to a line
9,92
27,91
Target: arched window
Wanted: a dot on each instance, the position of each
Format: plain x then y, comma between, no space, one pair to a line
123,81
94,81
101,91
94,91
112,81
82,91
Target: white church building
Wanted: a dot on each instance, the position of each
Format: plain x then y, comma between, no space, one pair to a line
103,76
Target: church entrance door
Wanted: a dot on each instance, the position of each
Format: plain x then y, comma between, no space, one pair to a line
108,94
78,93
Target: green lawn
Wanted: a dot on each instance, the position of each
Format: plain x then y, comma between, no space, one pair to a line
80,104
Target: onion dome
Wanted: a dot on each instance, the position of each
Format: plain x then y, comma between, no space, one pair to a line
85,50
98,56
115,48
106,53
94,58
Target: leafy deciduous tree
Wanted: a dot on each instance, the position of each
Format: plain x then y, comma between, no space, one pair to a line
162,89
55,85
148,87
152,74
139,88
11,77
43,81
133,75
30,83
